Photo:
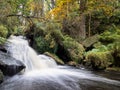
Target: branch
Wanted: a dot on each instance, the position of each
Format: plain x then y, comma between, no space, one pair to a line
22,16
28,18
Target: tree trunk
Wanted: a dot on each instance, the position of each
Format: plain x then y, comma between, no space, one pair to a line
82,31
89,26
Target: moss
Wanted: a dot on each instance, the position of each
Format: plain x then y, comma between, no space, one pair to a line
74,49
113,69
99,60
3,31
90,41
57,59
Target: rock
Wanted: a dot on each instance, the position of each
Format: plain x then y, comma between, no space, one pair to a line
2,48
1,77
90,41
9,65
58,60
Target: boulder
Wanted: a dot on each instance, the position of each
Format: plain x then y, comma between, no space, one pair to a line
9,65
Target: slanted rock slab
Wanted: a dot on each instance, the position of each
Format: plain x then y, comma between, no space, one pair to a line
9,65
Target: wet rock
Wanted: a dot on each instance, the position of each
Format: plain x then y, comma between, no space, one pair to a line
9,65
2,48
1,77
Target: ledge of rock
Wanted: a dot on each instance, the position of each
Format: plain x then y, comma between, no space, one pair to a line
9,65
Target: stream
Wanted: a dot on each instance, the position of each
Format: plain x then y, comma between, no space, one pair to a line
42,73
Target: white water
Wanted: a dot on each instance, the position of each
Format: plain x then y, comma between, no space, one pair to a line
42,71
18,48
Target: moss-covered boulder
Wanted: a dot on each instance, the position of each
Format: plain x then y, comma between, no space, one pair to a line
57,59
99,60
88,42
1,76
75,50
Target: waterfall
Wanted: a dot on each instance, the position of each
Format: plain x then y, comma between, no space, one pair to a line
18,47
42,72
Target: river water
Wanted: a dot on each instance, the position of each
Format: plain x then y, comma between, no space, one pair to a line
42,73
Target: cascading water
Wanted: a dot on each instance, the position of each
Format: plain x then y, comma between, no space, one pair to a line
42,73
18,48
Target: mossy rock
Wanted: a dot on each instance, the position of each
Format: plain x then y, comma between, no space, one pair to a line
72,63
1,76
75,50
57,59
99,60
90,41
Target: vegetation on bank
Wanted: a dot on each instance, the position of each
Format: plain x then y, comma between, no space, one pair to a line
82,31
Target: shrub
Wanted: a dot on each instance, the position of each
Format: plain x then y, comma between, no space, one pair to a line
115,49
2,40
41,45
110,36
99,60
3,31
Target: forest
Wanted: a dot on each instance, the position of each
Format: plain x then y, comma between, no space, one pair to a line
73,32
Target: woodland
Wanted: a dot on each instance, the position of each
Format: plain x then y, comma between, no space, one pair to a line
73,32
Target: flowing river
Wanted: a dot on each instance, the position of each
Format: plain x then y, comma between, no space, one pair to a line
42,73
